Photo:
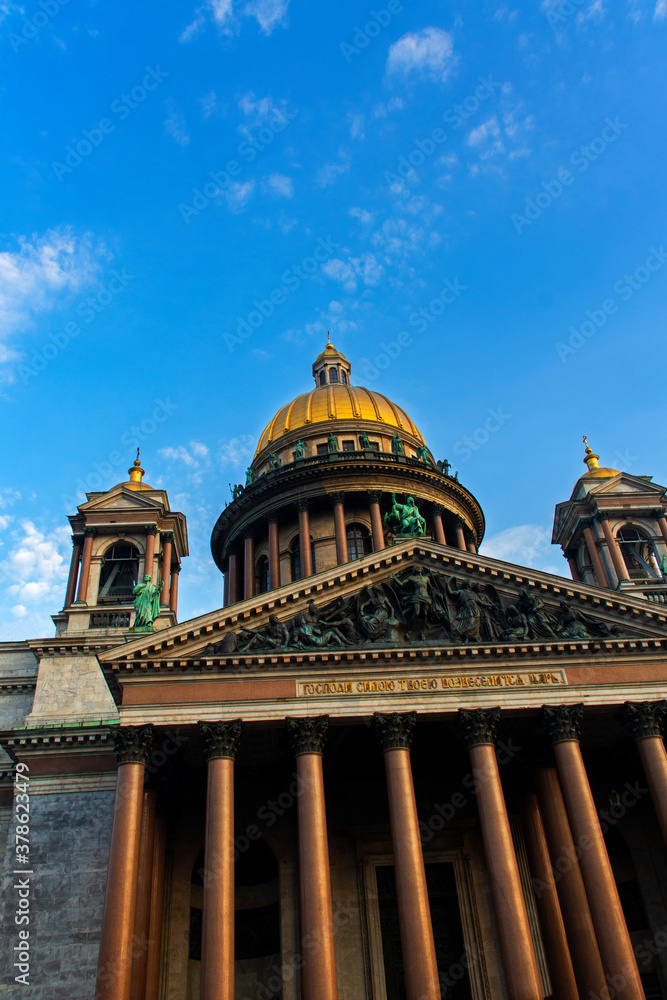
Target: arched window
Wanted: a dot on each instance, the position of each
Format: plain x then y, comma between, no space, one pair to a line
323,377
262,575
296,558
120,570
358,541
343,377
638,553
333,375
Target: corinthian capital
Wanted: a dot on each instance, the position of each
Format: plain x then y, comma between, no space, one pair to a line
394,732
478,726
644,718
220,739
562,722
133,744
307,735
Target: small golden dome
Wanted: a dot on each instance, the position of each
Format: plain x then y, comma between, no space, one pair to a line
331,404
593,463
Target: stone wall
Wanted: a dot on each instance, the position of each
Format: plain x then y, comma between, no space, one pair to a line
69,841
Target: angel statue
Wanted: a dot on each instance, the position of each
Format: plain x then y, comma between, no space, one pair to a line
146,603
415,597
404,518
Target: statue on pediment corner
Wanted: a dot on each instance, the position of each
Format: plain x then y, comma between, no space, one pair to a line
404,518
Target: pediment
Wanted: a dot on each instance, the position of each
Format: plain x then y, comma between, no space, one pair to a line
372,603
124,499
625,483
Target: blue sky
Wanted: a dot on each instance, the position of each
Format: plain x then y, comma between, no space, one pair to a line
484,181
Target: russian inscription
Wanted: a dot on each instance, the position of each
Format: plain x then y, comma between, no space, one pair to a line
432,684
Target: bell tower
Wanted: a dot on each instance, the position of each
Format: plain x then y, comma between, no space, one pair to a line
120,537
613,531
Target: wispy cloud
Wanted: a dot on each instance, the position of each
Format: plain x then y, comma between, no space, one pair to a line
195,457
226,15
174,125
525,545
330,172
280,186
35,277
427,54
660,12
354,270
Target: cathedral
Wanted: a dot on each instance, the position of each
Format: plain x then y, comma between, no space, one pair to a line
387,768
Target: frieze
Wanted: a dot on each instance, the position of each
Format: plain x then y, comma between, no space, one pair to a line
420,605
431,684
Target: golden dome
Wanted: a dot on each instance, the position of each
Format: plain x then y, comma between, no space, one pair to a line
333,403
592,461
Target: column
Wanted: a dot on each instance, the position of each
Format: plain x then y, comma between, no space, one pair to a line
248,567
84,576
460,537
478,728
225,587
572,563
614,551
274,554
438,528
570,885
305,554
132,747
470,543
77,544
173,589
149,559
644,720
374,498
338,500
661,517
620,965
157,910
143,908
598,569
221,741
234,588
318,969
167,543
546,898
394,733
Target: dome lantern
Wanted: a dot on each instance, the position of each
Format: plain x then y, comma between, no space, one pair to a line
331,367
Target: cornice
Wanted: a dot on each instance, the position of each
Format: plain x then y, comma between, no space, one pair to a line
56,740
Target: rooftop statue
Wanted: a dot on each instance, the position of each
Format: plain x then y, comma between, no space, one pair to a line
236,491
300,450
404,518
274,462
444,467
397,445
364,441
333,442
250,476
146,603
423,455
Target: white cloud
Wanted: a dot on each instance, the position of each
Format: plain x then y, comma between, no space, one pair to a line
237,195
35,566
357,126
175,125
35,276
195,457
365,217
365,269
19,610
525,545
426,54
192,29
384,110
281,186
222,10
209,104
330,172
8,497
660,12
237,451
262,111
268,13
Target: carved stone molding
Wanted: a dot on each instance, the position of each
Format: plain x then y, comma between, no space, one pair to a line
644,718
459,521
602,515
478,726
562,722
220,739
167,536
89,532
374,496
337,498
133,744
307,735
394,732
586,522
659,512
438,509
151,529
303,504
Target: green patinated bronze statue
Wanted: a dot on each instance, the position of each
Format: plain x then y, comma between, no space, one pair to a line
274,462
146,604
333,442
397,445
404,518
300,451
364,442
